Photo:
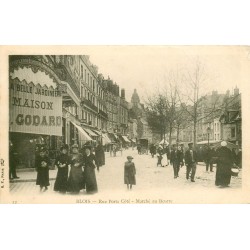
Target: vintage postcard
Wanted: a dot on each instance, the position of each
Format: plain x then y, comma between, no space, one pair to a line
124,124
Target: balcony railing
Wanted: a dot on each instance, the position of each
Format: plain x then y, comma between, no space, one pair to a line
88,103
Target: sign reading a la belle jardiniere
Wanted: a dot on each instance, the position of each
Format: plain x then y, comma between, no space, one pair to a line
35,109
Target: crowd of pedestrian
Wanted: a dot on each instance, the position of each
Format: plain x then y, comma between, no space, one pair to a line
76,170
227,161
76,166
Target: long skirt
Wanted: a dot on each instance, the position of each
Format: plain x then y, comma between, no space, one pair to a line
61,180
76,180
90,180
223,176
42,177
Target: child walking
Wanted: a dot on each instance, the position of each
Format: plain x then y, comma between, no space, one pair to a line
42,167
129,173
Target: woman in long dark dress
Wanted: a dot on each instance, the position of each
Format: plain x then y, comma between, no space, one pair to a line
224,165
62,162
129,173
99,156
76,175
89,171
42,163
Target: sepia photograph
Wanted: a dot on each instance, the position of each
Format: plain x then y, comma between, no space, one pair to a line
124,124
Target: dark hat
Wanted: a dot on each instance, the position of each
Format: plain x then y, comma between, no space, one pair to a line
74,146
64,147
190,143
130,157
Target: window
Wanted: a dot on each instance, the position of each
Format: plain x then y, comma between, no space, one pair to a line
81,71
85,75
82,94
88,78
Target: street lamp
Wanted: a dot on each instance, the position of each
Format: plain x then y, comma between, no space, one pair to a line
208,133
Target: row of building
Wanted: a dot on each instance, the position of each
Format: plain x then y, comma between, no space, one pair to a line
62,99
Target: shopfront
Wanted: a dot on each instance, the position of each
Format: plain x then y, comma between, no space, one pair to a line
35,110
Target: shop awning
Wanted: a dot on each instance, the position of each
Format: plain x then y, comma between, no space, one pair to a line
90,132
83,135
97,132
105,139
125,138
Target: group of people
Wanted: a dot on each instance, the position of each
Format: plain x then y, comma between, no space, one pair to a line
223,157
76,171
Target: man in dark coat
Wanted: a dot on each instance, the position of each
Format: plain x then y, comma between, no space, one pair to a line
191,161
224,165
13,161
176,159
99,156
208,155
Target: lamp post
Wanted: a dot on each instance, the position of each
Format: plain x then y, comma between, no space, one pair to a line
208,133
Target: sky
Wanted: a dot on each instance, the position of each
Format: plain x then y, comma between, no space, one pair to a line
145,67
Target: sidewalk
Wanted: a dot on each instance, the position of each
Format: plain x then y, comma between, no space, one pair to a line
29,175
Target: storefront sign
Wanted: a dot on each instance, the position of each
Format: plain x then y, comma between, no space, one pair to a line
35,109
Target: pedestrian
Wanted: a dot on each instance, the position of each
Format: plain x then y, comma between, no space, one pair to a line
239,158
164,156
89,171
152,150
114,150
42,163
139,148
159,156
175,161
62,162
76,176
207,157
234,156
224,165
180,157
100,156
129,173
13,161
191,161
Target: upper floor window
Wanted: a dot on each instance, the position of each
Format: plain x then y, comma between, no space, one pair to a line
81,71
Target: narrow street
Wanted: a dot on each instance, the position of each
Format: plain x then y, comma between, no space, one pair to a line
149,177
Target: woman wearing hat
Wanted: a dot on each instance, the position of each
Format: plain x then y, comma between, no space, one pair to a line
62,162
89,171
129,173
42,163
76,177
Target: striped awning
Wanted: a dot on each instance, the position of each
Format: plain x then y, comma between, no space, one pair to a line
90,132
83,135
97,132
125,138
106,139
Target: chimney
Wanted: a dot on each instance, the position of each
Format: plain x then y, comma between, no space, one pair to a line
123,93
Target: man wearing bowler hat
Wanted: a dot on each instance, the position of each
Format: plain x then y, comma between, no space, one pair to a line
190,161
